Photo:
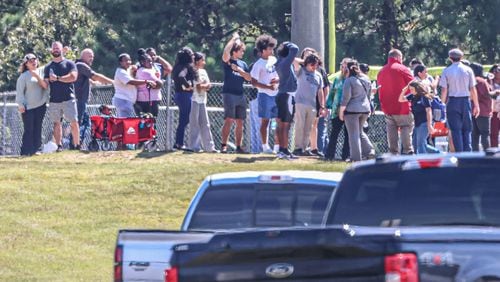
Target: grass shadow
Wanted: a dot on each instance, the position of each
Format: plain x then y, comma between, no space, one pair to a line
253,159
154,154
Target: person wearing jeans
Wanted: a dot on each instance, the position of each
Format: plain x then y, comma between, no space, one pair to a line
420,99
184,75
333,103
457,90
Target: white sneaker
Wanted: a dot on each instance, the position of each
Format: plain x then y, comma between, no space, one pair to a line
266,149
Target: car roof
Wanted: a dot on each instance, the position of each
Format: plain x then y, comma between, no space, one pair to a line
257,176
388,158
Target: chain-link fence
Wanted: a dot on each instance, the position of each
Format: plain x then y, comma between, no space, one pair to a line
11,128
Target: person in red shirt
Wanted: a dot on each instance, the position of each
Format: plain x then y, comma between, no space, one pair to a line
392,78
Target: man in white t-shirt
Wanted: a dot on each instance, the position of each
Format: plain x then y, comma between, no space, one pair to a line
265,79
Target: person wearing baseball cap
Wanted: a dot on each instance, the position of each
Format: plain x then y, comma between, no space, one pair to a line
458,88
31,97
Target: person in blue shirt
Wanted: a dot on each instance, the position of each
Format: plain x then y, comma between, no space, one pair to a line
420,99
236,72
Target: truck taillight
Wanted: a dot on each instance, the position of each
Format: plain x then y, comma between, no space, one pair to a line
172,274
118,271
402,267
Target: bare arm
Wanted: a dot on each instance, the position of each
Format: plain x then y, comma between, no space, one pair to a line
167,67
428,112
102,78
444,95
475,101
243,73
226,55
402,96
257,84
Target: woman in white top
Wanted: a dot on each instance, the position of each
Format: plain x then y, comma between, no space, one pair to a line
31,97
200,136
125,87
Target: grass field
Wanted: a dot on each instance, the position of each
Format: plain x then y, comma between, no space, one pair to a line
60,213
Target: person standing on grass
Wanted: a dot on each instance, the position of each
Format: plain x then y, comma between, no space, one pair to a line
61,74
265,79
495,119
393,77
184,76
310,88
481,123
235,105
200,135
82,83
458,88
420,99
333,103
148,96
162,66
318,137
284,99
125,87
31,97
354,111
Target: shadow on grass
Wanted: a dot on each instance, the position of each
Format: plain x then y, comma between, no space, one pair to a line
253,159
154,154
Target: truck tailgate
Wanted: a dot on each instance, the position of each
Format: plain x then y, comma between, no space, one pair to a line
146,254
297,255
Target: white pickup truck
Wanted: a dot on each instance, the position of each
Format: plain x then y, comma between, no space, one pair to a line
223,203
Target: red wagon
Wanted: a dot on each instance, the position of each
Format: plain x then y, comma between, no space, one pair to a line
134,130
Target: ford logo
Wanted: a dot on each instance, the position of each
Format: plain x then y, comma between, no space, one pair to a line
279,270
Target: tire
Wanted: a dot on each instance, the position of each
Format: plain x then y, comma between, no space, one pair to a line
106,145
150,146
93,146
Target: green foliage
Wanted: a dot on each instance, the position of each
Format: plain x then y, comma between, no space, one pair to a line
202,25
42,22
368,29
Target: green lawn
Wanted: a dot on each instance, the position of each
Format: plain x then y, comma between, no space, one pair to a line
59,213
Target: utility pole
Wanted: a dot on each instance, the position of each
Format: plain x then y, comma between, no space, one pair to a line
332,39
308,25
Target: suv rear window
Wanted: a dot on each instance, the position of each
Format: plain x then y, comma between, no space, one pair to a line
261,205
445,196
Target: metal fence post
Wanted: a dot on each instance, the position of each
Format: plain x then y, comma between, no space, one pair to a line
168,145
4,120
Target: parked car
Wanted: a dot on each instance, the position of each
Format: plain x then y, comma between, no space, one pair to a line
225,202
417,218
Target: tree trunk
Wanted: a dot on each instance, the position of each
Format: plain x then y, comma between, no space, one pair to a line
390,28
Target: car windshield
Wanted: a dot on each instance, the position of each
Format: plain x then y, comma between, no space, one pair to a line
261,205
445,196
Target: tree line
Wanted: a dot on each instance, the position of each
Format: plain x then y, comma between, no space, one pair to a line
365,29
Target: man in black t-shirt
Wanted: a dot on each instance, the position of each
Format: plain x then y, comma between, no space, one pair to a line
82,83
60,74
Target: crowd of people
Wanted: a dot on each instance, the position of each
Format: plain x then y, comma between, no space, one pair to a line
292,87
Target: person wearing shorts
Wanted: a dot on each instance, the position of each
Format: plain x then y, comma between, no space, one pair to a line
265,79
60,74
284,100
235,105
